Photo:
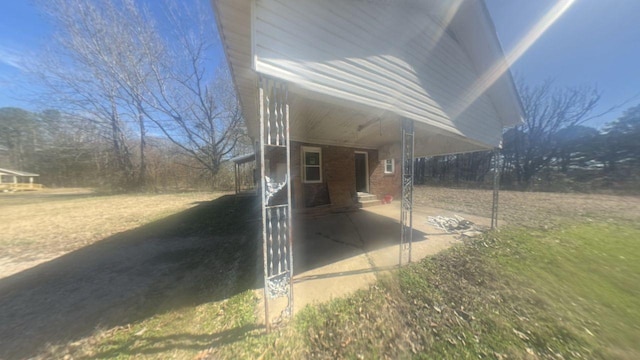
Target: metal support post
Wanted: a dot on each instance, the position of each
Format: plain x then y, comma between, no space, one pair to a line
496,188
277,242
406,212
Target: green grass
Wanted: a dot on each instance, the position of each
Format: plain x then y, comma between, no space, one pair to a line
208,304
183,333
590,276
569,292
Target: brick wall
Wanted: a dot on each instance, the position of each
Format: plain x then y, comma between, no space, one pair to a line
338,167
382,184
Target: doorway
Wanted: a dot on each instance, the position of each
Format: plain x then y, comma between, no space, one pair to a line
362,171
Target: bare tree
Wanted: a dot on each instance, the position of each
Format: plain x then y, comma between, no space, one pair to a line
81,72
19,136
530,147
194,107
111,62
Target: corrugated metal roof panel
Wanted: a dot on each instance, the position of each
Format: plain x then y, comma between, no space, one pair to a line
16,173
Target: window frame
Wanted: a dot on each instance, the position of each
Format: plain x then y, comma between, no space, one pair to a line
303,152
393,166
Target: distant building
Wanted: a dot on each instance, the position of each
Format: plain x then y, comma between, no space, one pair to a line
13,180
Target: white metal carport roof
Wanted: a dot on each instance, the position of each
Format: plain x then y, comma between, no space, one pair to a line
330,118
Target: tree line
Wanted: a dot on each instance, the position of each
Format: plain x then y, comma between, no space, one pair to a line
72,151
552,151
138,105
131,85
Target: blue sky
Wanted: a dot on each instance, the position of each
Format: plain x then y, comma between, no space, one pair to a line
595,42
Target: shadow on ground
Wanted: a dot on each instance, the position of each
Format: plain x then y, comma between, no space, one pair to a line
203,254
329,238
164,344
207,253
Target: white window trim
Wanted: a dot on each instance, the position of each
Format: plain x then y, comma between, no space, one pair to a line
306,149
393,166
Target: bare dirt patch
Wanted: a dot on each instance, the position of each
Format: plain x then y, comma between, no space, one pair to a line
531,208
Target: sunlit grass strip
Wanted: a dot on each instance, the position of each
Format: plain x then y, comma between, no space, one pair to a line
571,292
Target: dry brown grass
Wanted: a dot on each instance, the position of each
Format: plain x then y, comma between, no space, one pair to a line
173,259
531,208
38,226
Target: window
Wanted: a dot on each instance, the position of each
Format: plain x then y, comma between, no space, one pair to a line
311,164
389,166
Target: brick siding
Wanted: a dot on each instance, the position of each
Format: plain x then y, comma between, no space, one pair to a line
382,184
338,167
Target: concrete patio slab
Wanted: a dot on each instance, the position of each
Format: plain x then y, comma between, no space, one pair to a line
336,254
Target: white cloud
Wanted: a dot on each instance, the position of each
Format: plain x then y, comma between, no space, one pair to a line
11,57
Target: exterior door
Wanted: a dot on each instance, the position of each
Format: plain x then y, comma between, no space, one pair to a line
362,174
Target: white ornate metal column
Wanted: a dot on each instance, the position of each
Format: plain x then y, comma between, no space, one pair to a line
406,212
276,193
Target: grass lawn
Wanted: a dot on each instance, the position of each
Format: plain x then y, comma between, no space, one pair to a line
39,226
536,289
569,292
177,268
590,274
